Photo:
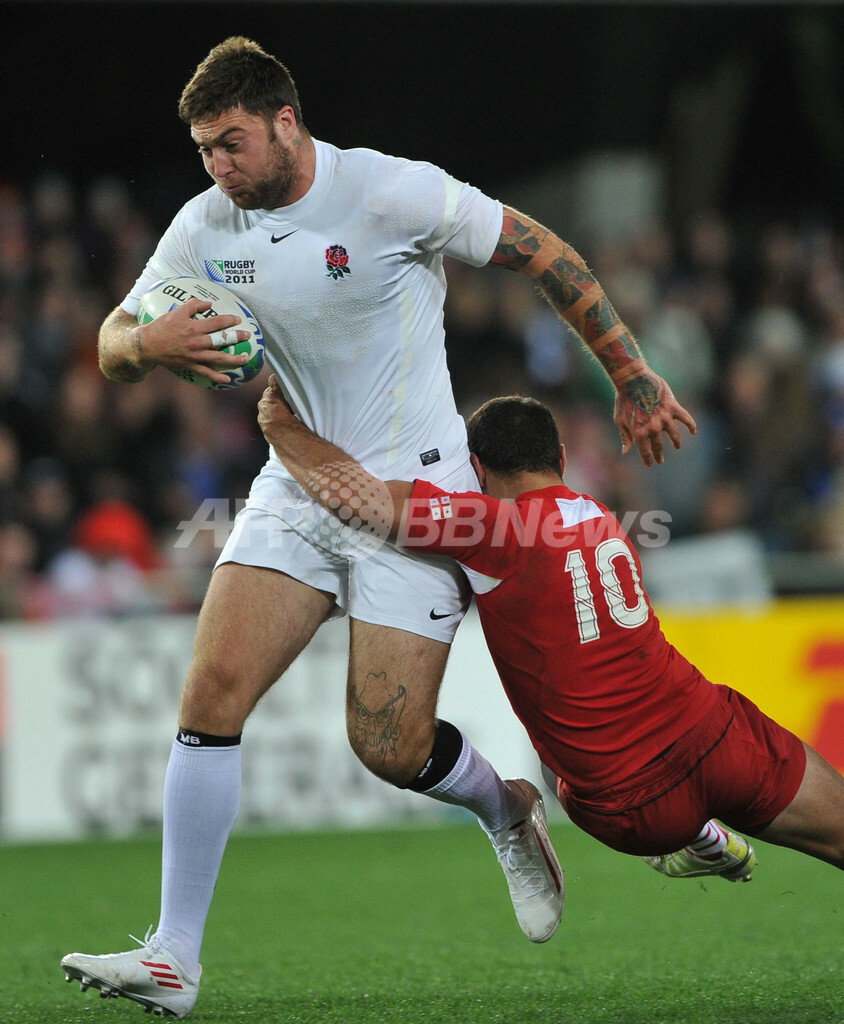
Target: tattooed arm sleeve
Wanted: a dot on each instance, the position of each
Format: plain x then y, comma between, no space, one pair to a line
570,288
645,406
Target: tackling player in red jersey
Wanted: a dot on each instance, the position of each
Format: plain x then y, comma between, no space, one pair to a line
646,750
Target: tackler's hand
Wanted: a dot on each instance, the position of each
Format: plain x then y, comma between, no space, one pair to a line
274,412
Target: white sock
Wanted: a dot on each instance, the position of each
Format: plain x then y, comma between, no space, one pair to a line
201,801
710,843
474,784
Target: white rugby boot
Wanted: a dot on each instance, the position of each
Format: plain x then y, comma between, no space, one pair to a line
150,976
534,876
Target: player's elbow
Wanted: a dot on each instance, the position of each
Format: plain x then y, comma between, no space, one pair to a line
116,349
118,369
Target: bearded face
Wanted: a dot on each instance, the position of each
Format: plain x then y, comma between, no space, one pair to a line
255,163
271,188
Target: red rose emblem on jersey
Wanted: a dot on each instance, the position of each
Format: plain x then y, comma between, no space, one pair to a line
336,262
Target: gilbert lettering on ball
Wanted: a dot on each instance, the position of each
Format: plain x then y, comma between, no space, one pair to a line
175,291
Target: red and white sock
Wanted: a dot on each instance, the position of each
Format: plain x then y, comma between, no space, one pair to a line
710,843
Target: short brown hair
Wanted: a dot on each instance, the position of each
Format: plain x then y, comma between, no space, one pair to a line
514,434
238,73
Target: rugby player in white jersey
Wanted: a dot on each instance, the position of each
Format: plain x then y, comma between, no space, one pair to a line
339,254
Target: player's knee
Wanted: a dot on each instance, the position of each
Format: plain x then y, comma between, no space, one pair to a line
836,856
395,757
215,699
829,842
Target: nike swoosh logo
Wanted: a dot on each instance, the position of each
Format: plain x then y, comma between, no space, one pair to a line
444,615
281,238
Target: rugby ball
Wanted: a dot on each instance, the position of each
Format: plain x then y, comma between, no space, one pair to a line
175,291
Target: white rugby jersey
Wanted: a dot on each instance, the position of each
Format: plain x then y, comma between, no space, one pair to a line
348,287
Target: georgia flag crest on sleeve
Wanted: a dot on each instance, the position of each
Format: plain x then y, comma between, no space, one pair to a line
441,507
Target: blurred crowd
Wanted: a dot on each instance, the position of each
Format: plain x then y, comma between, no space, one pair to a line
115,498
746,323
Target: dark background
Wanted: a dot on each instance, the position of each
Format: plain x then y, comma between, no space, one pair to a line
491,92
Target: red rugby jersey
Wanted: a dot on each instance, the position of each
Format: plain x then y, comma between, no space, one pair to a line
570,628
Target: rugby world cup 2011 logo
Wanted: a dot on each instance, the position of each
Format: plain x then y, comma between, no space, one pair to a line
231,271
337,262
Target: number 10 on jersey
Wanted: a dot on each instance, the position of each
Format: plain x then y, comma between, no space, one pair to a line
626,612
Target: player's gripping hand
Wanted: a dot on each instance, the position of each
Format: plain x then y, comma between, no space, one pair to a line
645,410
183,338
274,411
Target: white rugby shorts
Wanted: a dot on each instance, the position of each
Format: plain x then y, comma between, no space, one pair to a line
371,579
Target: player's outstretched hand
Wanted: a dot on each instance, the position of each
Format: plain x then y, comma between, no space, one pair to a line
645,409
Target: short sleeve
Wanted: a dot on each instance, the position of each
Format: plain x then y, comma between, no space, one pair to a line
471,226
425,209
472,528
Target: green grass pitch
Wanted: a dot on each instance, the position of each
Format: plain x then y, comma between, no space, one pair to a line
413,926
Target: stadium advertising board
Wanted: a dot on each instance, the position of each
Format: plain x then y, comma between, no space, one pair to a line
789,659
90,713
